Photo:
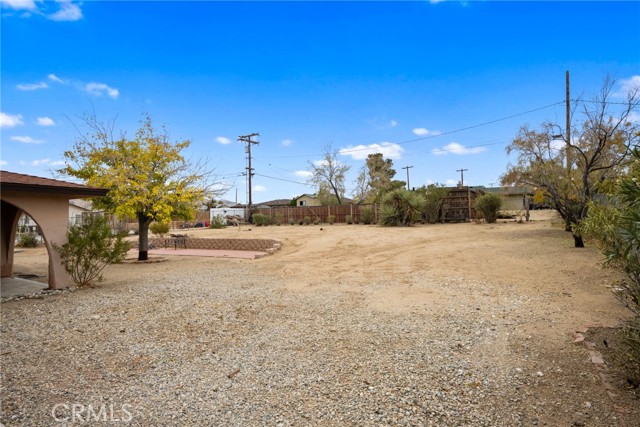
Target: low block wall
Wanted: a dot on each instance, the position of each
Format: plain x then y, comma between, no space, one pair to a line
261,245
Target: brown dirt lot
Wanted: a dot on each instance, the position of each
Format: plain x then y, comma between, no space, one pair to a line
523,284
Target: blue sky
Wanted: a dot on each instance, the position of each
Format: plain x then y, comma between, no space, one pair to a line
356,75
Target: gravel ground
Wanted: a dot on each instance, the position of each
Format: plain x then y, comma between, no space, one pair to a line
226,342
229,347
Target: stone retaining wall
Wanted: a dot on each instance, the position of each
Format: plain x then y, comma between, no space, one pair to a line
261,245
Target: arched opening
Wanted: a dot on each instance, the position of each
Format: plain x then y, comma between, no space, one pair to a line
47,202
23,273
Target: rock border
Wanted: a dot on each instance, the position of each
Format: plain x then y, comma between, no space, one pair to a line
603,371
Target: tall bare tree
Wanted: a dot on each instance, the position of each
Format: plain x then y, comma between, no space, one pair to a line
599,151
329,174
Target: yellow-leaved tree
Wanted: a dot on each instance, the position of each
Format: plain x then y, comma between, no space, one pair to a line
147,176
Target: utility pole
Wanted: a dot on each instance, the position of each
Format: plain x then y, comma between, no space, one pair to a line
462,171
407,168
568,137
247,139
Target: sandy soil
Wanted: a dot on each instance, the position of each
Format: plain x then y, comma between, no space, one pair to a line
565,287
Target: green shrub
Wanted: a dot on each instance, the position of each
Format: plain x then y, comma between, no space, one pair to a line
90,247
159,228
434,196
278,219
292,221
366,215
306,220
317,221
217,222
489,205
615,227
331,219
629,352
348,219
261,219
401,208
28,240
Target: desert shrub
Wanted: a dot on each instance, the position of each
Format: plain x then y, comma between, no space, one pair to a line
278,219
317,221
614,226
292,221
331,219
261,219
28,240
390,216
489,205
366,215
306,220
159,229
629,352
434,195
217,222
90,247
348,219
401,208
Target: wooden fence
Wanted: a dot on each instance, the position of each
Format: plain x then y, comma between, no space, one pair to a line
297,214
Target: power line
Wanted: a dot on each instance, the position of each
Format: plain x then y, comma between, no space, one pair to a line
354,150
286,180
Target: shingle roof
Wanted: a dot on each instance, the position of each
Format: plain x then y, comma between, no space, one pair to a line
11,181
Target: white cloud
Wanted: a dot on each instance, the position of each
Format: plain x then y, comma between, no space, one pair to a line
26,140
223,140
426,132
360,152
627,85
46,162
45,121
451,182
303,174
32,86
3,163
19,4
259,188
9,120
68,11
99,89
393,123
55,78
459,149
287,142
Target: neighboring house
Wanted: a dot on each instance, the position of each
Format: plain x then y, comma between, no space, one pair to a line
225,204
313,200
278,203
513,198
308,200
78,208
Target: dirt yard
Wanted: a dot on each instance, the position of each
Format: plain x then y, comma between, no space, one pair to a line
455,324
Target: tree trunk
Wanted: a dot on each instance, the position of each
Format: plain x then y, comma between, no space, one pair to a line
579,243
143,237
567,225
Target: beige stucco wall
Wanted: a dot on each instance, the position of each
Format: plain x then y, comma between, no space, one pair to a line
309,201
51,213
511,202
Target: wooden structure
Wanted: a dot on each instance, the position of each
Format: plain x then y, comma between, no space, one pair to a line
297,214
460,204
